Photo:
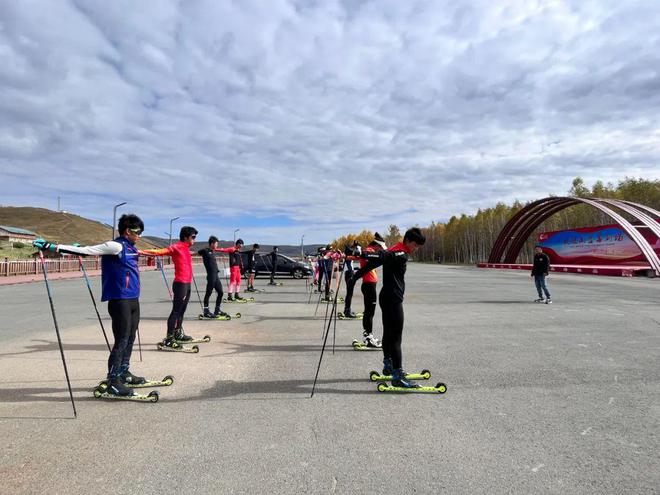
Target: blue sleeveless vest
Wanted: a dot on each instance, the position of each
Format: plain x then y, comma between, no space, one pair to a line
120,276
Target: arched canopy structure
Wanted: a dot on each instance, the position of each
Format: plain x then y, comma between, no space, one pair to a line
514,234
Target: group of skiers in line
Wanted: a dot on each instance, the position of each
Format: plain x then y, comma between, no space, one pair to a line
120,283
120,287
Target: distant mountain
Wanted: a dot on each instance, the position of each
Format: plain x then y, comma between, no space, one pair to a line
61,227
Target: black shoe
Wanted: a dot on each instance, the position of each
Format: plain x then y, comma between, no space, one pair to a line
230,298
170,342
220,314
349,314
180,336
399,380
116,387
238,298
208,314
250,289
129,378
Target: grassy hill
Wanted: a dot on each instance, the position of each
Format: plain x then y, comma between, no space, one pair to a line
51,225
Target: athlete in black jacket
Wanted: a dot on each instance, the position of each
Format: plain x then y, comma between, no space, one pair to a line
539,272
394,262
212,278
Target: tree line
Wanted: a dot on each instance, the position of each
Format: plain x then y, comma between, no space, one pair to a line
468,239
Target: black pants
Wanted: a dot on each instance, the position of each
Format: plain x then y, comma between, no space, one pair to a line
125,314
273,269
348,274
181,293
213,283
369,294
392,329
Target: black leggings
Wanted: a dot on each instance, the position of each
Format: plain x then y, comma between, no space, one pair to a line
125,314
181,296
213,283
349,290
392,329
369,294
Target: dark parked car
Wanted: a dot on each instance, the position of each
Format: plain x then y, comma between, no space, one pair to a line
285,266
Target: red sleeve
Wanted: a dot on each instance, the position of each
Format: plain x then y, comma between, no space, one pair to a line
168,251
225,250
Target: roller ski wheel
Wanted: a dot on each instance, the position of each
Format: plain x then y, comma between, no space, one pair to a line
361,346
191,350
440,388
206,339
150,397
165,382
244,300
374,376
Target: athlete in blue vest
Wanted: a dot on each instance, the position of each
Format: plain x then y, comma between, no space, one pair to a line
120,281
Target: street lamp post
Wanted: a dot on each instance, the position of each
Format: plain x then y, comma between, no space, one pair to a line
172,220
302,250
235,235
114,218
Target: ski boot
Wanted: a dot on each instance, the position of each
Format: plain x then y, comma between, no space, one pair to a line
348,314
208,314
230,298
251,289
272,283
129,378
387,366
180,336
116,387
399,380
539,300
171,343
238,298
548,301
371,341
220,314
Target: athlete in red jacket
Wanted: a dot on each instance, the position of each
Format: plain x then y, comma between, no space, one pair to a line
180,253
235,268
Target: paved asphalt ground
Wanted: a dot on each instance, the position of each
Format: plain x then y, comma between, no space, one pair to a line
562,398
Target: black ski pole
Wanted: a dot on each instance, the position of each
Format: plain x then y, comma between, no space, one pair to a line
57,331
197,290
91,294
160,263
137,330
318,368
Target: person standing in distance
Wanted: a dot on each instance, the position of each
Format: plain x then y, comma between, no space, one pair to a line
540,270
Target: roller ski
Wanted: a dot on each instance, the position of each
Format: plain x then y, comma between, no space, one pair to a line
375,376
349,315
204,340
165,382
331,300
401,383
114,389
171,345
362,346
240,300
539,300
220,316
440,388
150,397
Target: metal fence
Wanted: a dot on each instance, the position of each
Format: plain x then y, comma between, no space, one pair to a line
10,268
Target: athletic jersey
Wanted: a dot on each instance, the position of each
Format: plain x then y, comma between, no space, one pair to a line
394,262
250,258
235,258
180,253
120,275
370,277
210,263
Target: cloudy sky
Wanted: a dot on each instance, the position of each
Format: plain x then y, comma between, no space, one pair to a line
292,117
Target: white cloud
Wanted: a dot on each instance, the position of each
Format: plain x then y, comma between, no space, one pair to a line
377,111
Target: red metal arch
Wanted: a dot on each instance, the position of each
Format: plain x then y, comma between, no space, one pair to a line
514,234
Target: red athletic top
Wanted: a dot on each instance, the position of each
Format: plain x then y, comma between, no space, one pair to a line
180,253
371,276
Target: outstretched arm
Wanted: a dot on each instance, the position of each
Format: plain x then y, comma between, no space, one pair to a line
168,251
225,250
107,248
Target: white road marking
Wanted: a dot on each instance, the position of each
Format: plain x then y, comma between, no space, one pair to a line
586,431
535,469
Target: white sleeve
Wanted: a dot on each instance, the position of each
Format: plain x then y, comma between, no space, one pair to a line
110,247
